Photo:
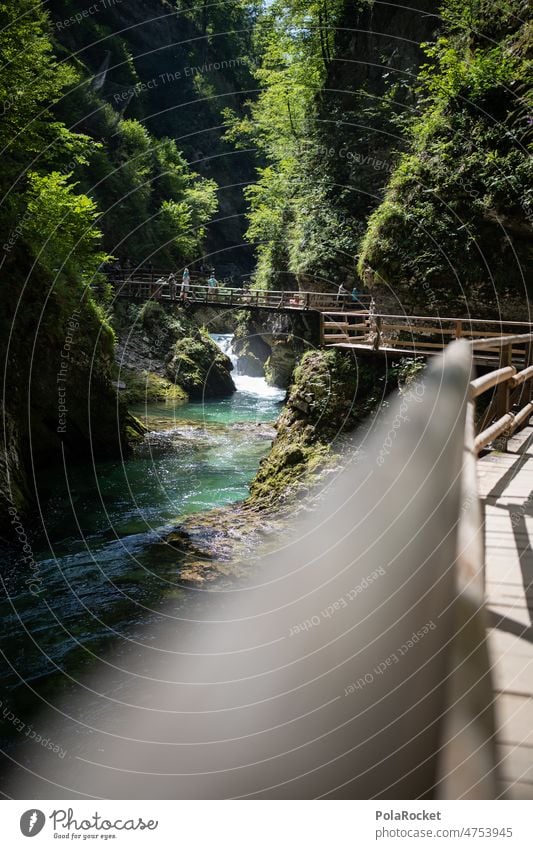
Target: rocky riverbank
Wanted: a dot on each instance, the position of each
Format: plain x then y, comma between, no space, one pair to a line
330,395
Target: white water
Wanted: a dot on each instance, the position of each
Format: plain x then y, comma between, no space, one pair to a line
256,386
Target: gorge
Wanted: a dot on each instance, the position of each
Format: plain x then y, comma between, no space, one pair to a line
154,448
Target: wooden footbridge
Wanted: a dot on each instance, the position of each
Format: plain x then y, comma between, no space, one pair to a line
494,576
343,321
143,286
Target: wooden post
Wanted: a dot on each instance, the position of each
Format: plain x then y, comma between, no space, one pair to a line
377,340
528,361
503,392
458,329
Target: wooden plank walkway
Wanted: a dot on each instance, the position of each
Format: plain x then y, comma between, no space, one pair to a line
506,489
391,353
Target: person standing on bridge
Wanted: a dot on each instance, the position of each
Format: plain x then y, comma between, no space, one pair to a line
342,295
368,276
212,282
185,284
172,285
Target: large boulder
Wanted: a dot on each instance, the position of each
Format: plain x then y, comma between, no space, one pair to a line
200,368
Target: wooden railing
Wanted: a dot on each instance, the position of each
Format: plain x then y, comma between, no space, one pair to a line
511,353
148,286
511,405
468,763
419,334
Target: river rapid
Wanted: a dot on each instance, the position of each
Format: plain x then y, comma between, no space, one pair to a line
97,572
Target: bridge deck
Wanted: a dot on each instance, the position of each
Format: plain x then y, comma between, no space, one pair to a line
506,487
392,352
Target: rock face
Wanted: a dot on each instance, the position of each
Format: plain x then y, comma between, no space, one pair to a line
331,393
60,401
280,364
252,349
271,344
200,368
12,475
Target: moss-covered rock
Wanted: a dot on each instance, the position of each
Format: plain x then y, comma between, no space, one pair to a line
135,430
251,365
331,393
148,387
200,368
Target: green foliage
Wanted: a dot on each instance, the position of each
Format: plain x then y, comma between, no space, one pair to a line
146,387
59,228
155,207
458,209
455,221
295,41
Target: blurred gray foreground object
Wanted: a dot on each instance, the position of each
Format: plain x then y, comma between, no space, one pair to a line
351,664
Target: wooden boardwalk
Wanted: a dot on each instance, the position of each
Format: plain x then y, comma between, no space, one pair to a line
506,488
393,336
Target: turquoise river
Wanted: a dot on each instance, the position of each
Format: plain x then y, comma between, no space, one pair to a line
98,558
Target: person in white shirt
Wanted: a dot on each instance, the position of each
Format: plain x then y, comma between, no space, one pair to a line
185,284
